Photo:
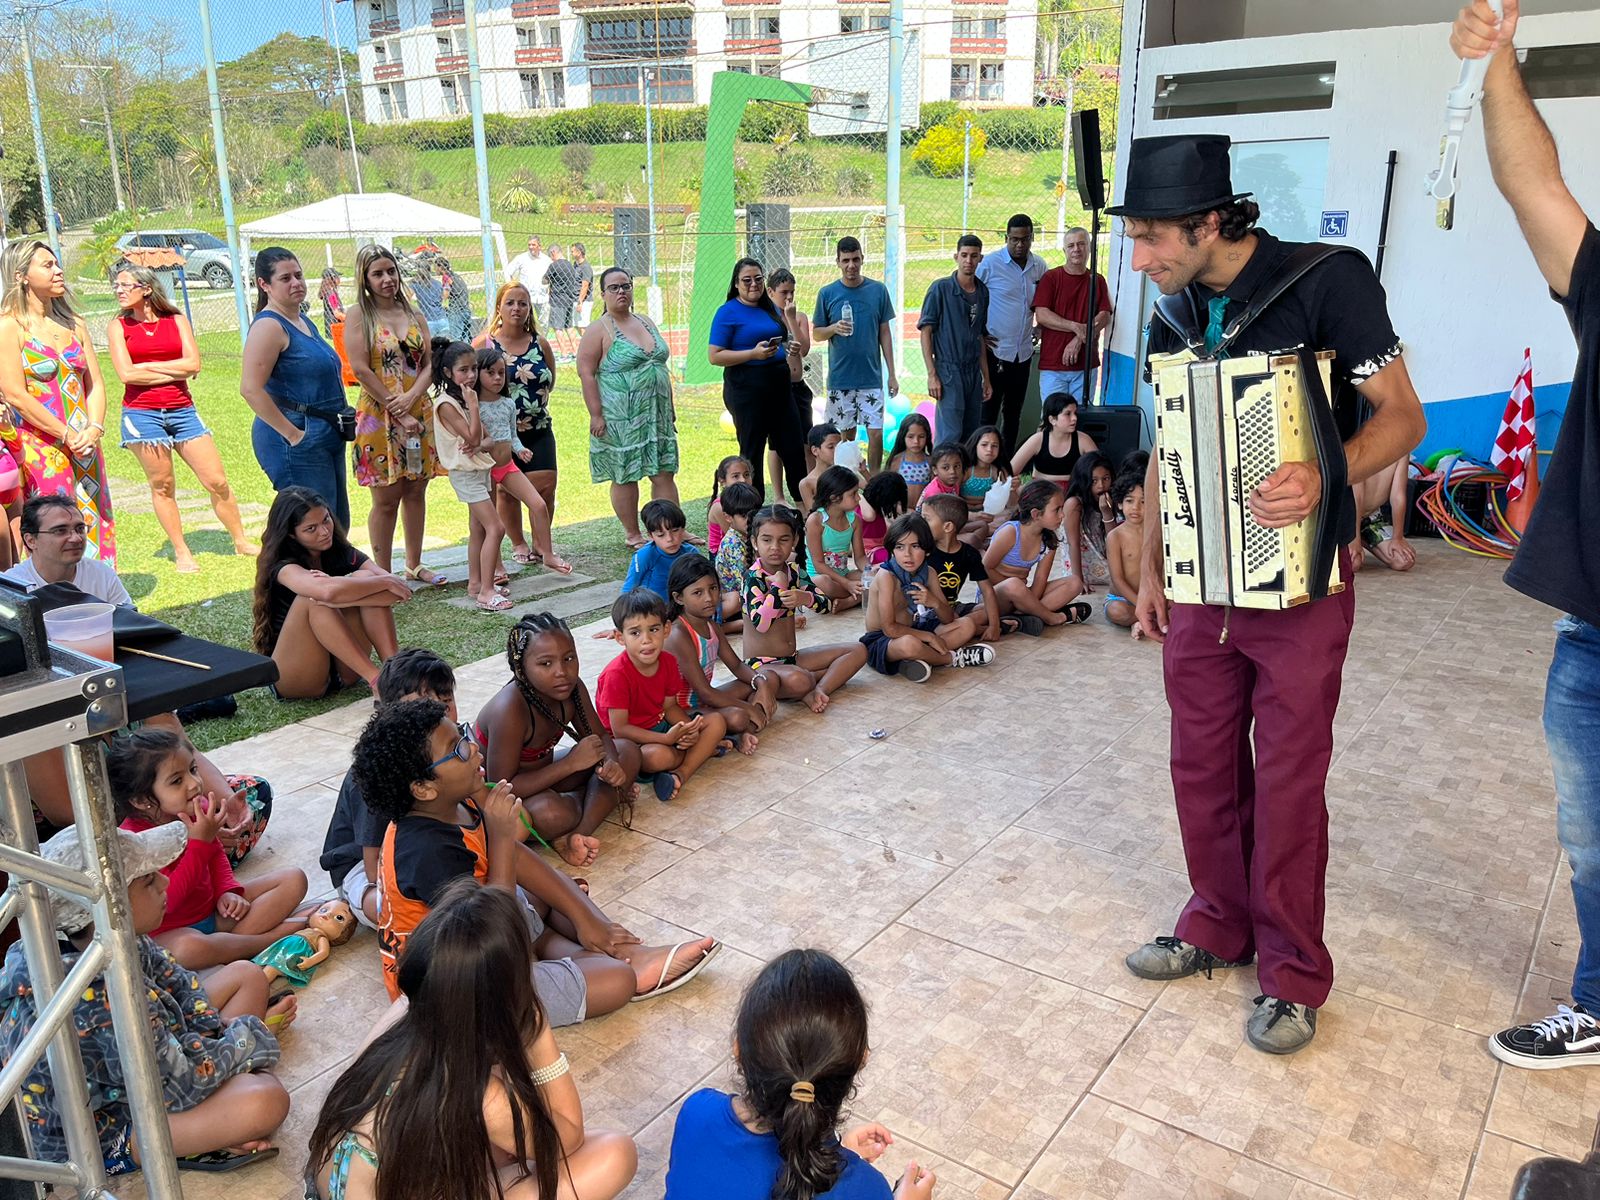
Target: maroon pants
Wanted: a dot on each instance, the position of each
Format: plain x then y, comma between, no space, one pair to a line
1255,825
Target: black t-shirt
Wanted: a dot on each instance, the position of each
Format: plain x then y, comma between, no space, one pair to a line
1339,305
281,599
952,569
563,282
429,854
351,830
1555,562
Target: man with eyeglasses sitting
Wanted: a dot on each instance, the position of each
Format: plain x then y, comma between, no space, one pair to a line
55,537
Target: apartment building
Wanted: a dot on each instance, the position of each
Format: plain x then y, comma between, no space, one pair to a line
537,55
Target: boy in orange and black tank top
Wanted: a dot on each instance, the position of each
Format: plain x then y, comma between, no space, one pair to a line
424,774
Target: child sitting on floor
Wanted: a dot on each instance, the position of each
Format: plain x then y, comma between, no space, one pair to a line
911,627
504,1118
884,498
355,834
987,471
823,442
637,695
954,562
746,704
949,470
424,774
833,538
664,521
774,589
734,469
739,502
1024,550
799,1041
1124,552
211,917
909,456
212,1047
567,794
1087,516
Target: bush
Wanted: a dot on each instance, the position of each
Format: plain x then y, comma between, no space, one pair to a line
577,157
853,181
789,173
764,122
942,151
329,129
115,223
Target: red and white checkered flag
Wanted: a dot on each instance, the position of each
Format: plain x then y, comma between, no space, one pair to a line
1513,447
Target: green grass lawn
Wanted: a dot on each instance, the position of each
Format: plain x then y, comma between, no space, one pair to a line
216,603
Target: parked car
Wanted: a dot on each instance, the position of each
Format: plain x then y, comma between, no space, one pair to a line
207,256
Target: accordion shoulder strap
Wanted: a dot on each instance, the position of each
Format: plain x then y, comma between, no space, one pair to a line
1332,465
1183,312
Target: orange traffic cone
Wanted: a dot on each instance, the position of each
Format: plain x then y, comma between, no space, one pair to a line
1521,509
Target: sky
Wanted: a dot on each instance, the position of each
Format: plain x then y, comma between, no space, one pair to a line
238,26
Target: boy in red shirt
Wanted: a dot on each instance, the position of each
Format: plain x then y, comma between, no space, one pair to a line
637,698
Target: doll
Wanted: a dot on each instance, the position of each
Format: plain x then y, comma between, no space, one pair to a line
297,956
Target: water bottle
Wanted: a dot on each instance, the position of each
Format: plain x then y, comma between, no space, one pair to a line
847,318
413,455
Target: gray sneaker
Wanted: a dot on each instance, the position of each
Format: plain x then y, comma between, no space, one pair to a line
1173,958
1280,1026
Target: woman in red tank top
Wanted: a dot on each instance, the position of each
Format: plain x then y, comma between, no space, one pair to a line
154,353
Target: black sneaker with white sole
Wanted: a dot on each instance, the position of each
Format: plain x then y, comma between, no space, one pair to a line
979,654
915,670
1571,1038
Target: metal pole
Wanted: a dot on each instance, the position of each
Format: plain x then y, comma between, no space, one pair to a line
893,267
480,152
46,195
125,986
1383,221
344,91
649,167
966,176
224,184
1066,166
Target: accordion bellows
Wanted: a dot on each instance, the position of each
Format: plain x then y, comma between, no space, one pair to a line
1222,427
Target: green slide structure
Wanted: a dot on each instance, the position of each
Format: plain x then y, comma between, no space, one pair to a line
718,245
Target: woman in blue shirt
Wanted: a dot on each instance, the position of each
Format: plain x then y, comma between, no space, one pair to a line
294,383
749,341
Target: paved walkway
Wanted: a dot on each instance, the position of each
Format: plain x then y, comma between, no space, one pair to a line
983,870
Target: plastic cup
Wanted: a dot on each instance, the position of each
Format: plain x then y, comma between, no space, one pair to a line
85,628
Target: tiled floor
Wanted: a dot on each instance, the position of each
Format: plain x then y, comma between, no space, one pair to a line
985,867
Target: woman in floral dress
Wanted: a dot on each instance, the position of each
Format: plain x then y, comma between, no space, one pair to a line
387,346
51,381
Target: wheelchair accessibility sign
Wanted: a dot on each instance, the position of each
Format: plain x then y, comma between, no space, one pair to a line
1335,224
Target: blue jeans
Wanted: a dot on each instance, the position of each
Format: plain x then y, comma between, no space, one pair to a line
316,463
1070,382
1572,731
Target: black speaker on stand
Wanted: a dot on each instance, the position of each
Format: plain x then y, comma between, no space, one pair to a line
1092,192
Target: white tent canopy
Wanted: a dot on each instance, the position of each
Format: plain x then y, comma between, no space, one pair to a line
379,217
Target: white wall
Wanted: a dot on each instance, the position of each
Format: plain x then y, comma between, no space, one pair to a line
1466,302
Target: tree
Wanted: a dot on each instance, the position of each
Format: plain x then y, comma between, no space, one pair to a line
1077,33
285,81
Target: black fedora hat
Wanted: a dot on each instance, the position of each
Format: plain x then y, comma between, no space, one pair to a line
1175,175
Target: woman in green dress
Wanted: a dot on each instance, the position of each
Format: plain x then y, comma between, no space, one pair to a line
622,364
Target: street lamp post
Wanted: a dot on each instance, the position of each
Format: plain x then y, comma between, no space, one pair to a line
105,111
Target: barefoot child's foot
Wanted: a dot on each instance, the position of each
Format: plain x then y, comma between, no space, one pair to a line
816,700
578,849
662,969
747,743
247,549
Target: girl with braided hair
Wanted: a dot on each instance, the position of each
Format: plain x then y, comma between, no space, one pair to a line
566,793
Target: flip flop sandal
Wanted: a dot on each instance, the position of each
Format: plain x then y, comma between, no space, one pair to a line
415,574
665,784
527,557
1078,612
664,986
500,604
219,1161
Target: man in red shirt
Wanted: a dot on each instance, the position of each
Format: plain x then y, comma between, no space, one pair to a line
1060,309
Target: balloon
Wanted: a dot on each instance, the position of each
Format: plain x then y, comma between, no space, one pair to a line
927,409
897,406
727,422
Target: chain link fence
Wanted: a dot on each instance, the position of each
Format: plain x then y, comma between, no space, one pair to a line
602,129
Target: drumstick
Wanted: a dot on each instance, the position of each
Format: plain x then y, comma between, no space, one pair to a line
182,662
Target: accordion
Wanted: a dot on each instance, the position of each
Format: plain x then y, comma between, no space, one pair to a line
1222,427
